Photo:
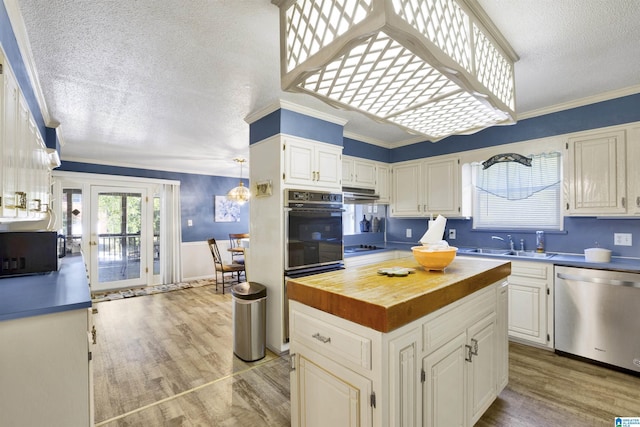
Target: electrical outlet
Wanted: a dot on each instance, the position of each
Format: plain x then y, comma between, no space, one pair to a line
452,234
622,239
189,223
408,232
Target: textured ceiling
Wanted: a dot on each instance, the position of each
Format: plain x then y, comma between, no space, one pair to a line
164,84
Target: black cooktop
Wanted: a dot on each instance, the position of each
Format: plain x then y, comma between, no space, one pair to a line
361,248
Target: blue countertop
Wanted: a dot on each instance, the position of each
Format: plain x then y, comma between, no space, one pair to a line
57,291
572,260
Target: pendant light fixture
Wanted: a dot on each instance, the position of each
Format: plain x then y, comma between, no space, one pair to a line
239,194
432,67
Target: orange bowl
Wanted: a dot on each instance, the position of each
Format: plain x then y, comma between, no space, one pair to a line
434,258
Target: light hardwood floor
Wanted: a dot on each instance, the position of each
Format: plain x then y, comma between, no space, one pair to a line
167,360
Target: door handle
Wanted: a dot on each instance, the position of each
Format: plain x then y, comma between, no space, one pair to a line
92,243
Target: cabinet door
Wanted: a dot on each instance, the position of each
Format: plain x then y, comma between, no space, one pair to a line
527,309
502,337
328,169
406,190
443,390
404,409
365,174
328,394
441,183
597,174
347,172
633,171
481,372
298,162
383,183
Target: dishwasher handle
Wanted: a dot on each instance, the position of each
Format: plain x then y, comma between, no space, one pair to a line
598,280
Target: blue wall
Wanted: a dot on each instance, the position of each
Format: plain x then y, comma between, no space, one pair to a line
296,124
196,198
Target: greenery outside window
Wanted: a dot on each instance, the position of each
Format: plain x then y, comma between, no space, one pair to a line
510,195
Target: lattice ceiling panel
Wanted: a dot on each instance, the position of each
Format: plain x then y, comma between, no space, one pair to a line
341,52
314,24
442,22
460,113
494,71
379,77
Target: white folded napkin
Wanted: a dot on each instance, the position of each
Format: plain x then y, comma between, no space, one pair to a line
435,232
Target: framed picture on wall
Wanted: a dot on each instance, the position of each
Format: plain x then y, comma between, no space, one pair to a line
225,210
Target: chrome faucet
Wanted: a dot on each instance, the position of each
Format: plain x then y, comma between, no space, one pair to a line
511,245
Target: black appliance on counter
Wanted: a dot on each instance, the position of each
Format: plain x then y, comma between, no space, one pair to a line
30,252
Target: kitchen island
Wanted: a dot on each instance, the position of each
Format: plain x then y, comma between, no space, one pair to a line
426,349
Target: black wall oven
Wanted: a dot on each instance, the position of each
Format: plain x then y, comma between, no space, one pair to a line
313,232
313,237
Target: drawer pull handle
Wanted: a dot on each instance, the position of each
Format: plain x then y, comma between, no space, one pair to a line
321,338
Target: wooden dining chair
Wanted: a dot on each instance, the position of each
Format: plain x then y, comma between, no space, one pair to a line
237,252
224,268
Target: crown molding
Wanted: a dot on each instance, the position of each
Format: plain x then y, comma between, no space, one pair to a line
22,38
605,96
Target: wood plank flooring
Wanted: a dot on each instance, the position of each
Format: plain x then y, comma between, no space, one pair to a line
167,360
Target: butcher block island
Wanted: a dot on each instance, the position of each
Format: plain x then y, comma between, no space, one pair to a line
426,349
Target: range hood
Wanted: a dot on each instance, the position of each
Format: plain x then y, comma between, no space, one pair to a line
359,195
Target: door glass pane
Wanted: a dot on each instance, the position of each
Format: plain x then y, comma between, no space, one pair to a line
119,220
156,235
72,218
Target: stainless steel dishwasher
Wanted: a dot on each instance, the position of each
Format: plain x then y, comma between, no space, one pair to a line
597,315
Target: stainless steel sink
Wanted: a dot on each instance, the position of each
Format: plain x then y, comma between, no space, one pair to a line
507,252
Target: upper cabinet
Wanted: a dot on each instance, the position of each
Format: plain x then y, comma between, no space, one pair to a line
596,177
25,170
358,172
383,182
423,188
312,164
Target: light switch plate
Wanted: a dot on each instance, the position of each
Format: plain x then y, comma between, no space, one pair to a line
408,232
622,239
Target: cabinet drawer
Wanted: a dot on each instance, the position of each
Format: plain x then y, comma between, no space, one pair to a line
331,341
444,327
537,270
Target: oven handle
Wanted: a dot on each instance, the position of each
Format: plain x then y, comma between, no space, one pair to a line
313,210
613,282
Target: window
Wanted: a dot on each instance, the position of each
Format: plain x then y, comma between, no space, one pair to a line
510,195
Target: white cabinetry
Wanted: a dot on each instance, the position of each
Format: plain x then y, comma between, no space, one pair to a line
25,170
597,173
633,171
358,173
383,182
530,302
312,164
406,192
46,370
441,370
422,188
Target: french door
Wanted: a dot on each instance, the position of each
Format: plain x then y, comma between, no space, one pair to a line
118,241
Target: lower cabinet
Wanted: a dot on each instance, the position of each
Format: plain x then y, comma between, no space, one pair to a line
328,394
531,303
45,370
444,369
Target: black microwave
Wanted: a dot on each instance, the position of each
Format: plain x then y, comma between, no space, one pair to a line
29,252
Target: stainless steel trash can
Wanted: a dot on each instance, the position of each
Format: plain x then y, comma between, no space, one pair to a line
249,320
